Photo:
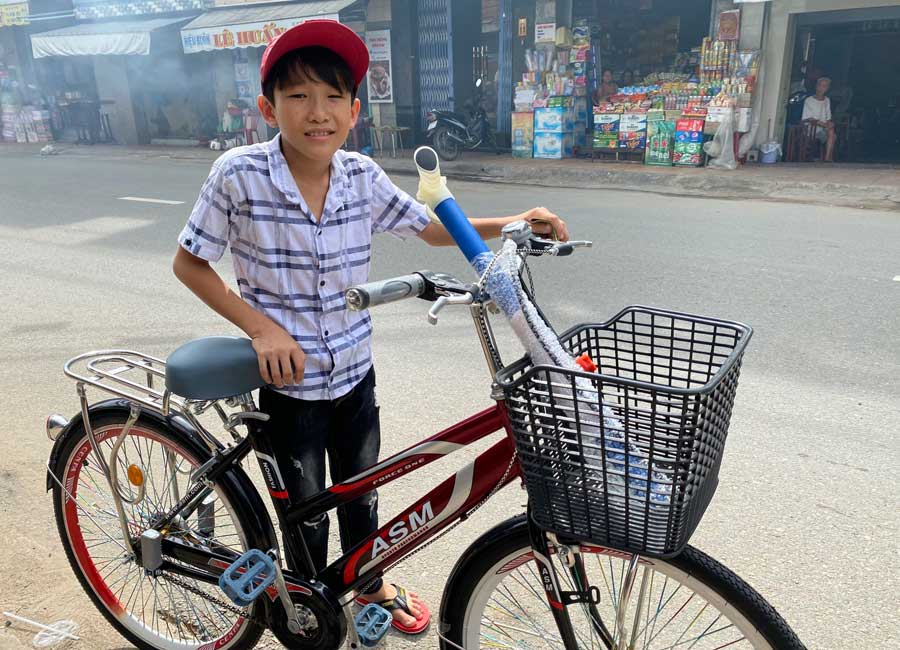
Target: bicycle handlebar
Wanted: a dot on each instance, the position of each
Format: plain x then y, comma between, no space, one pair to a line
382,292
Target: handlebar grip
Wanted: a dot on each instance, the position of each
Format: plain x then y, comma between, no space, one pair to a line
371,294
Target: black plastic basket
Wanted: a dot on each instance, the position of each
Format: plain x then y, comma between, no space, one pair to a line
666,383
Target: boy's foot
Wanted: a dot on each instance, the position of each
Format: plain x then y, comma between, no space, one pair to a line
411,615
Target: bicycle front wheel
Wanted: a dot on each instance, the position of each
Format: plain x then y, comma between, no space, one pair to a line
495,599
165,612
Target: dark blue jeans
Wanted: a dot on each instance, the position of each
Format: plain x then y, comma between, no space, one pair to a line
347,429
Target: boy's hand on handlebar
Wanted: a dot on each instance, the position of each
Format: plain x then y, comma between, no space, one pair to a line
281,360
543,222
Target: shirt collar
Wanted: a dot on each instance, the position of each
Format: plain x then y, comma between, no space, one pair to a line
280,174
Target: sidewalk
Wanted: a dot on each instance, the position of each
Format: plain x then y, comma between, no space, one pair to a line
849,185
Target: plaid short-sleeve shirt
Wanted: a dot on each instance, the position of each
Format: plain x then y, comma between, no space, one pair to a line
293,268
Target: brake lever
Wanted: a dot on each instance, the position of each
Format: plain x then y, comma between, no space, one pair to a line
443,301
556,248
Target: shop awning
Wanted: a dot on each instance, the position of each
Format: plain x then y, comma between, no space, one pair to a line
222,29
87,39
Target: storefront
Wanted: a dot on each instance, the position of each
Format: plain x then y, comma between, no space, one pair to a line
650,81
853,49
229,41
144,90
27,113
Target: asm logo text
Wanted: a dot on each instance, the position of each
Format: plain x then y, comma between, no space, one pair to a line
403,528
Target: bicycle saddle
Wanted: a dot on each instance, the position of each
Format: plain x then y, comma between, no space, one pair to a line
213,368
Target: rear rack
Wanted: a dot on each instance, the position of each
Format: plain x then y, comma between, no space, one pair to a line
128,374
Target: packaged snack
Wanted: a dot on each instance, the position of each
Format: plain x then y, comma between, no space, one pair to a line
607,123
606,141
632,141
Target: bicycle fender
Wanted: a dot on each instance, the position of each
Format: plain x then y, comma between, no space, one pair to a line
256,510
504,529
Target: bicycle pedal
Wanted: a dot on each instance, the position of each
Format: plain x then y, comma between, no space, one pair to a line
248,577
372,623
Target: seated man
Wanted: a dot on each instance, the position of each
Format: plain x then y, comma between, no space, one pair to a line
817,108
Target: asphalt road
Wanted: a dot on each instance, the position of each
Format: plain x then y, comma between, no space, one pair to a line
810,473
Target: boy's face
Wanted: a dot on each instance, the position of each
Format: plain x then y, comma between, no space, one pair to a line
314,118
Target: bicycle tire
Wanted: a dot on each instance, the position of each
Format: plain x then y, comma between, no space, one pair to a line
446,147
500,547
73,448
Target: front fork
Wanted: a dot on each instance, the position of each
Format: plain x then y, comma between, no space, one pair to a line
583,593
542,554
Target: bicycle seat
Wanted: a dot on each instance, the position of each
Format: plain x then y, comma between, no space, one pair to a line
213,368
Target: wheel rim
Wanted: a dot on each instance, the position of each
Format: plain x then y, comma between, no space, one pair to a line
156,610
508,608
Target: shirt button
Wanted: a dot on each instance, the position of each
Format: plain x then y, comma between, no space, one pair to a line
326,332
322,283
319,232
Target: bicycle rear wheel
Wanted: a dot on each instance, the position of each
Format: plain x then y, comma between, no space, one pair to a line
165,612
495,599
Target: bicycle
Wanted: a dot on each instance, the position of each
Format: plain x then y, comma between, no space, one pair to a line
155,512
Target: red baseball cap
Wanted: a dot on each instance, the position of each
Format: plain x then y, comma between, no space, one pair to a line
329,34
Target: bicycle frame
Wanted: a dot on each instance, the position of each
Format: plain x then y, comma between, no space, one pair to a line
448,502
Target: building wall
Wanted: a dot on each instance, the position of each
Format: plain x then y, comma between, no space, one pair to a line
778,50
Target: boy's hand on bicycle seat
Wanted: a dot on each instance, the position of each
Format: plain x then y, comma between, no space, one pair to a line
546,223
281,359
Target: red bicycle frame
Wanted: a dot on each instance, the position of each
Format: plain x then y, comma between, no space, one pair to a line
404,533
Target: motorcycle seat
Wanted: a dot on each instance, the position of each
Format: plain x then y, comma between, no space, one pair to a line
214,367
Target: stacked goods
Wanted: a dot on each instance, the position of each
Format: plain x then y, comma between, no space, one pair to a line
562,68
688,142
606,130
553,129
8,113
717,59
522,134
37,125
660,140
524,98
633,131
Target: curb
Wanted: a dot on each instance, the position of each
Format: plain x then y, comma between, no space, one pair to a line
751,183
707,183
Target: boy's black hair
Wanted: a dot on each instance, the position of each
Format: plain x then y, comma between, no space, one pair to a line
310,63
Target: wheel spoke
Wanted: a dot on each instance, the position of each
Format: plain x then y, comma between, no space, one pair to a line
665,610
154,607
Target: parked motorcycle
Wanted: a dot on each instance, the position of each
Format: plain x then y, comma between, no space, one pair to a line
450,132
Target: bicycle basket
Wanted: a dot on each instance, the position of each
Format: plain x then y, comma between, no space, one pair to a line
628,457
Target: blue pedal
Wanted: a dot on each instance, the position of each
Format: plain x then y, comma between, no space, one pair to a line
372,623
247,577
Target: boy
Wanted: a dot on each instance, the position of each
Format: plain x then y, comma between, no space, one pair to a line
298,214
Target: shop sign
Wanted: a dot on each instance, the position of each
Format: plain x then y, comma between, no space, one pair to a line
207,39
13,13
545,33
380,81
